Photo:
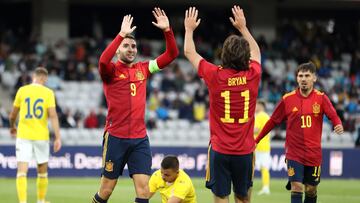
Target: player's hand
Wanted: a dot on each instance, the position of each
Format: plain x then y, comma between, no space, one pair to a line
238,21
13,132
191,21
338,129
162,21
126,26
57,144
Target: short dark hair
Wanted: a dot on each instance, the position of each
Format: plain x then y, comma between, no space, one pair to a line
41,71
236,53
130,36
170,162
309,66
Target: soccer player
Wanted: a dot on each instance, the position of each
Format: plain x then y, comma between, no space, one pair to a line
233,89
36,103
303,109
124,82
262,152
174,184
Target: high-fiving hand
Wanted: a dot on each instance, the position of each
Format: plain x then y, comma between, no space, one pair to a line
162,21
126,26
191,21
238,21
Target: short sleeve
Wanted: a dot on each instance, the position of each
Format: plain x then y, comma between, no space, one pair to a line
152,183
256,66
17,101
206,70
51,100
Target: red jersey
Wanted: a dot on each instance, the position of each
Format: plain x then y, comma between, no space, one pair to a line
232,106
304,121
125,88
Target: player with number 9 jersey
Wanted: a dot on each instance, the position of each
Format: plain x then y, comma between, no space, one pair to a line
33,101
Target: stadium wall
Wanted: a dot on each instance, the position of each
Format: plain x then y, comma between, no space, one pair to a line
80,161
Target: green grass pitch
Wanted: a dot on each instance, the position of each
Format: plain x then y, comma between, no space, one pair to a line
80,190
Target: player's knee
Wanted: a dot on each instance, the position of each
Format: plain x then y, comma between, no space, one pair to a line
143,191
105,192
310,191
242,198
296,187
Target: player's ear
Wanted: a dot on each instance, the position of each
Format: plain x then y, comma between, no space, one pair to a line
315,78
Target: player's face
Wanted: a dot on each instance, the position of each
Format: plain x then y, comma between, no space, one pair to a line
169,175
306,80
127,51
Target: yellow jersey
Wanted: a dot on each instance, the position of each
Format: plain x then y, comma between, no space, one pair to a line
34,101
182,187
260,121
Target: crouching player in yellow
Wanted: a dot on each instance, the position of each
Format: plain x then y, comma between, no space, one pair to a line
262,153
174,184
36,103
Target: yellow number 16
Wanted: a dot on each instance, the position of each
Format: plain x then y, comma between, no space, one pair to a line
227,118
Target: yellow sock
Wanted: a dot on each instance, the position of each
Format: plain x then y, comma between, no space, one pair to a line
42,185
265,176
21,186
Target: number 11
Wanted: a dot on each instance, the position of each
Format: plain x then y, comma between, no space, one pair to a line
227,118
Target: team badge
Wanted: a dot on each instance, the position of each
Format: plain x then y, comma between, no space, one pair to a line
109,166
291,171
139,75
316,108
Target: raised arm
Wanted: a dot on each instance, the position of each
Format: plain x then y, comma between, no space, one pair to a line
172,50
191,22
105,65
239,22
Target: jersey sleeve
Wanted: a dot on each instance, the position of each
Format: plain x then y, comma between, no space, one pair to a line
256,66
206,70
153,182
51,103
17,100
330,111
106,67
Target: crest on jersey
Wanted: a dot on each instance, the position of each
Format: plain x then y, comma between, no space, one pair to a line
139,75
291,171
316,108
109,166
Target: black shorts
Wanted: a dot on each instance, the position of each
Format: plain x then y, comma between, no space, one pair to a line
226,169
120,151
298,172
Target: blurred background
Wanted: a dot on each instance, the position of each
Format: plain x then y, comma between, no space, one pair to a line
68,36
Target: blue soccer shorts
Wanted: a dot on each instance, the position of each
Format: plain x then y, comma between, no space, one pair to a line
117,152
224,169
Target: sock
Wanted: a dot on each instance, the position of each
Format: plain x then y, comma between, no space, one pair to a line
265,177
140,200
310,199
41,186
296,197
21,187
98,199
